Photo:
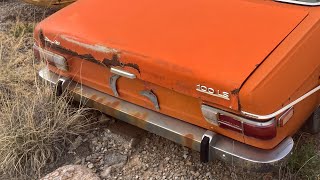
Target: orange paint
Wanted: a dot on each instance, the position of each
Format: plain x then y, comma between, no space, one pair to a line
262,53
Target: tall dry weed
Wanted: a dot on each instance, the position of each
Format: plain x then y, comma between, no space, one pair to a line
35,130
35,125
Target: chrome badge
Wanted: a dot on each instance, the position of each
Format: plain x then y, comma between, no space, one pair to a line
213,92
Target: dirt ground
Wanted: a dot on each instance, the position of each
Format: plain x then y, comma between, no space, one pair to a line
116,150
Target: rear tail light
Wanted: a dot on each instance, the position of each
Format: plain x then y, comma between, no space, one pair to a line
261,130
54,59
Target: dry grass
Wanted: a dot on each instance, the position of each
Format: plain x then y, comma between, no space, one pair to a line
305,160
36,127
35,131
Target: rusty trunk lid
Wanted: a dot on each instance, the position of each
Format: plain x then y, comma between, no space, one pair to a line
178,45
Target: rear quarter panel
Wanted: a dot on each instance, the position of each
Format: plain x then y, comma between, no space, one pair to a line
290,71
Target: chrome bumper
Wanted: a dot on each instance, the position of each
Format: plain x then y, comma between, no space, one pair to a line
220,147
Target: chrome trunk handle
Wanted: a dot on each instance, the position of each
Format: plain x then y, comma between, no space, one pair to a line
122,73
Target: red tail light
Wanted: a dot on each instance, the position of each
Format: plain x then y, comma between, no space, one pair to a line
261,130
54,59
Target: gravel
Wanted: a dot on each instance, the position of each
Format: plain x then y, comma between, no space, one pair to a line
122,151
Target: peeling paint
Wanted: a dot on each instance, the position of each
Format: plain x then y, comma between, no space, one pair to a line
41,38
96,47
115,62
106,62
51,41
235,91
66,51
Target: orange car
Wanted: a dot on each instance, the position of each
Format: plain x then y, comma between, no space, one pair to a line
232,79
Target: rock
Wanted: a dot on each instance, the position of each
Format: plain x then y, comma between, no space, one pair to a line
90,165
104,118
77,161
77,142
107,170
185,156
71,172
114,158
133,142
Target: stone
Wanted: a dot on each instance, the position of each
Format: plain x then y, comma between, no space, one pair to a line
133,142
104,118
114,158
107,170
90,165
77,142
71,172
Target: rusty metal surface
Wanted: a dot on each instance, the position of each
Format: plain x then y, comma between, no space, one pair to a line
186,134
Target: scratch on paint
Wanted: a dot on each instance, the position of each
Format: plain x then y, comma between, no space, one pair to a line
235,91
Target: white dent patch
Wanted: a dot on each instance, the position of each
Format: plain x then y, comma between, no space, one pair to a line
96,47
52,42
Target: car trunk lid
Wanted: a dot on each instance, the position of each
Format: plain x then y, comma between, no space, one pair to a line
179,45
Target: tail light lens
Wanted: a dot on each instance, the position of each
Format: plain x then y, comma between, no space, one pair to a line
261,130
54,59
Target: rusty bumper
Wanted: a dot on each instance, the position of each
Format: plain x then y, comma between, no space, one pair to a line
219,147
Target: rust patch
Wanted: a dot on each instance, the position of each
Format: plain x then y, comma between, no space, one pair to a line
141,116
106,62
138,115
66,51
93,97
115,62
139,120
99,100
235,91
188,140
114,104
41,38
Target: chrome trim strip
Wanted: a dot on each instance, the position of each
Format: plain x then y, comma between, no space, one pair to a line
186,134
113,84
237,117
152,97
122,73
299,2
272,115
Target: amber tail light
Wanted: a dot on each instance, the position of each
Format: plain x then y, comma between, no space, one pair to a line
54,59
262,130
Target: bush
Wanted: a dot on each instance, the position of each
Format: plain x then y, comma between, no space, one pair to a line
35,131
